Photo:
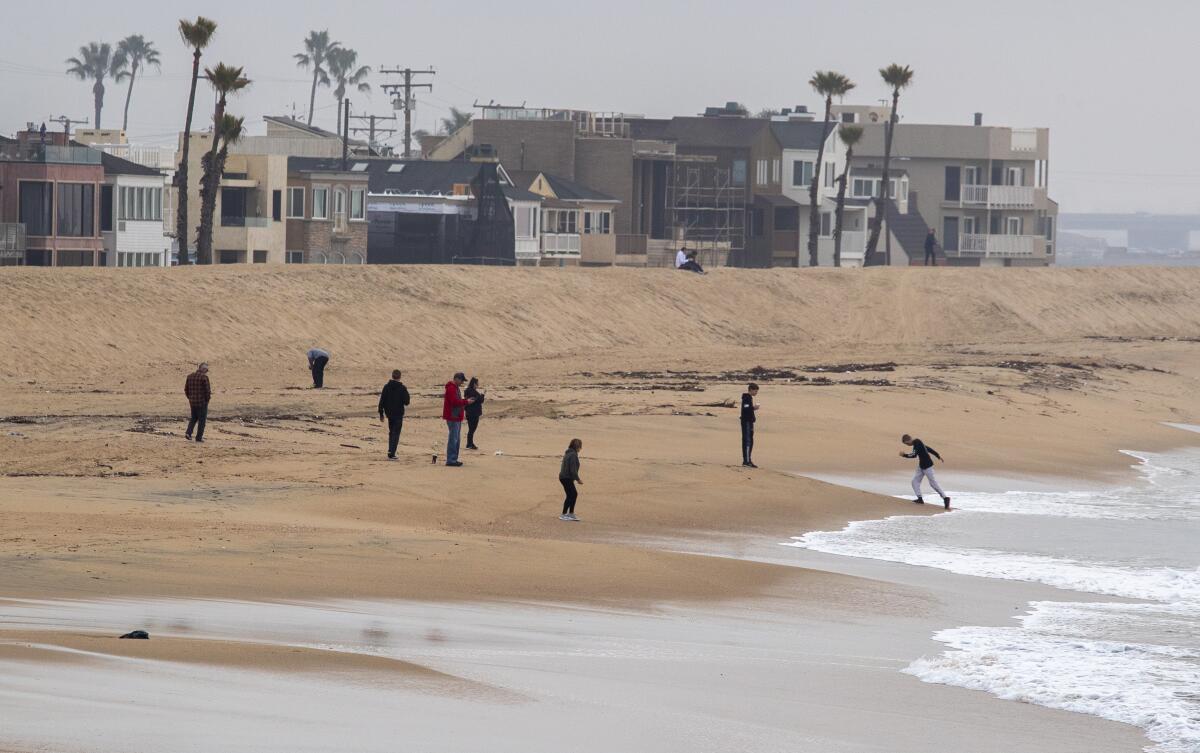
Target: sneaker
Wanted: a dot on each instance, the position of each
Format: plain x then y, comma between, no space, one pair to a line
472,447
188,437
455,464
946,501
564,517
749,464
571,517
392,457
918,501
199,440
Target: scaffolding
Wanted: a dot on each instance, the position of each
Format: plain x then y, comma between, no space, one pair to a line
706,211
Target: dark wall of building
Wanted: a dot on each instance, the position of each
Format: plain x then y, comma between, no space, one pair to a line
606,165
545,146
396,238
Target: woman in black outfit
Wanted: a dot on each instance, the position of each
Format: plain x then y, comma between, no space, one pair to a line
474,410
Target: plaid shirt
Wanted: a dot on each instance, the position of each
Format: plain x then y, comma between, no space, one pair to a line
197,388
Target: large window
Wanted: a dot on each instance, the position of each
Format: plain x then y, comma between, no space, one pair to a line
739,172
597,223
295,203
106,210
140,203
76,210
37,207
830,174
320,207
560,221
802,172
826,224
358,202
760,173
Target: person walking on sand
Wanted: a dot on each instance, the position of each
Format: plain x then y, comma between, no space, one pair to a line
474,410
931,249
317,360
749,409
568,476
453,412
199,392
922,453
393,399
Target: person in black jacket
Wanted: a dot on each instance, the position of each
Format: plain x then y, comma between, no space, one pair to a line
474,410
749,408
921,453
392,402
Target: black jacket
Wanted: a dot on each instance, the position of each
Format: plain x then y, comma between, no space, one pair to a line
475,409
393,399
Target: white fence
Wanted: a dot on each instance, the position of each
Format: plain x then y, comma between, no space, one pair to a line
560,243
999,245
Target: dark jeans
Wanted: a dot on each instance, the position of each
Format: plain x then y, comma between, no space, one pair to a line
692,266
572,495
395,426
930,257
199,419
747,440
472,425
318,371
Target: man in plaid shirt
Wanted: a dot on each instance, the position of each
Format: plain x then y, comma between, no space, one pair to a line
198,392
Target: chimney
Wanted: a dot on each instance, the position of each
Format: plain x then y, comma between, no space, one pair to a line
978,118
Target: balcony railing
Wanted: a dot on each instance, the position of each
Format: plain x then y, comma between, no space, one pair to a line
563,244
1002,246
50,153
854,243
236,221
12,240
997,197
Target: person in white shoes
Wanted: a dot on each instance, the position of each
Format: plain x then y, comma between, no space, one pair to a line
568,476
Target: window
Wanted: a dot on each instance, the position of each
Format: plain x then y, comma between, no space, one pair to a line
106,209
787,218
277,205
294,257
761,172
826,224
295,203
970,226
1048,225
320,207
75,258
847,117
358,204
802,172
587,223
523,221
560,221
605,223
1014,226
139,203
739,172
260,257
1014,176
863,188
37,207
76,210
830,174
776,171
970,175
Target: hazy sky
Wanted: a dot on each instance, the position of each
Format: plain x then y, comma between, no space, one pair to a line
1112,80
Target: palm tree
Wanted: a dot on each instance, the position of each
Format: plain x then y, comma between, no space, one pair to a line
136,52
345,70
225,80
195,34
898,77
828,84
318,50
458,118
96,62
850,136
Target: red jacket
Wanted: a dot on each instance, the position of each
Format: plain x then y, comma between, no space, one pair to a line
453,404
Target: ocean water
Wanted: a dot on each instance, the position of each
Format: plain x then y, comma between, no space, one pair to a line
1135,659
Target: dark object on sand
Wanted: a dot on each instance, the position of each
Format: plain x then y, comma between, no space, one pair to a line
137,634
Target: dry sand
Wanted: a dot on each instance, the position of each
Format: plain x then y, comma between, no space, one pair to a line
1013,371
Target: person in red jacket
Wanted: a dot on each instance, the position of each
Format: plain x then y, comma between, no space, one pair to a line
454,411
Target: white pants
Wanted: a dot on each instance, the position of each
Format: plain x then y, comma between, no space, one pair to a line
926,473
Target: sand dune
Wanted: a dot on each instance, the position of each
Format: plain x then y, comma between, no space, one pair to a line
131,321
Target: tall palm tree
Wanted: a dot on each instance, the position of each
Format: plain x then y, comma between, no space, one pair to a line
195,34
96,62
850,136
346,72
898,77
828,84
318,49
136,52
225,80
458,118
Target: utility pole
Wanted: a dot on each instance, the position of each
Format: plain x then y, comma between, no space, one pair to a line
407,88
372,130
67,122
345,124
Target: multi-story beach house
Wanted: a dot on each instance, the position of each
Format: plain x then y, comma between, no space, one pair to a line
982,189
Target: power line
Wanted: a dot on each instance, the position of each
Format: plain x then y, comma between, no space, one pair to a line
372,130
407,103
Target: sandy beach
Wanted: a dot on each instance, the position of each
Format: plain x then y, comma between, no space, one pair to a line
1033,374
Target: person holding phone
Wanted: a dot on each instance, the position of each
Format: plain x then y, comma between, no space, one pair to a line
474,410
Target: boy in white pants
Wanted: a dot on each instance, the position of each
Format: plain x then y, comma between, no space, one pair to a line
924,468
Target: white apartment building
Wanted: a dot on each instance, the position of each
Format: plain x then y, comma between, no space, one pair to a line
132,226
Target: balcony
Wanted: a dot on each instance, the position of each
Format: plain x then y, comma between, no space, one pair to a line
999,246
560,244
854,245
239,221
12,240
997,197
50,154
